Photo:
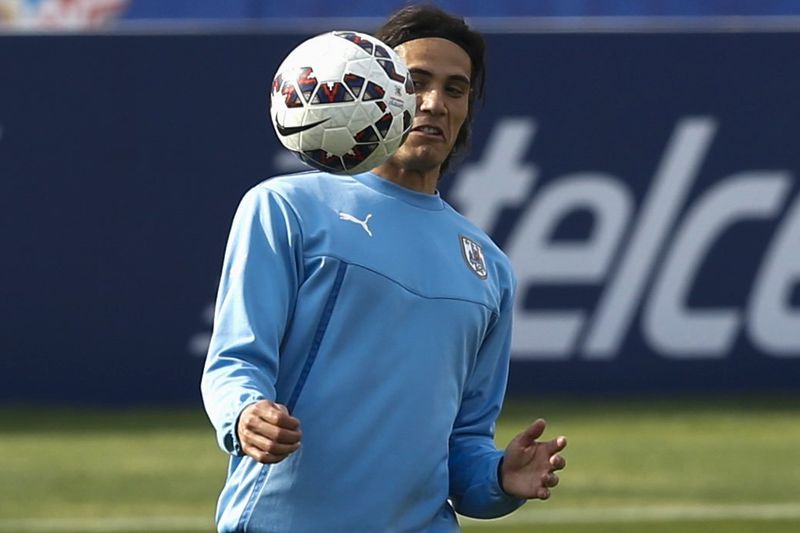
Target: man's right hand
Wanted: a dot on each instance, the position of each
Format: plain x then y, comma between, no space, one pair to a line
267,432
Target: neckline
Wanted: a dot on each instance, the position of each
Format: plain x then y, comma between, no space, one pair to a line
432,202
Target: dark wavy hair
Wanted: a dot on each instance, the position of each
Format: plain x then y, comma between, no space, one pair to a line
421,21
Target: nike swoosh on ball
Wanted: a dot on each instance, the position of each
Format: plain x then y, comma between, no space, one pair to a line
291,130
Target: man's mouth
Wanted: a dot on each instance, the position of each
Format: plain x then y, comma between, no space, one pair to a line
432,131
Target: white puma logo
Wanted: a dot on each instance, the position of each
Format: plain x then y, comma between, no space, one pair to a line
363,223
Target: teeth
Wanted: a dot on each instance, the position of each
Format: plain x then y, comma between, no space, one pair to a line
429,129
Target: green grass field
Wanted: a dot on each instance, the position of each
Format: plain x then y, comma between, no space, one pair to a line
726,465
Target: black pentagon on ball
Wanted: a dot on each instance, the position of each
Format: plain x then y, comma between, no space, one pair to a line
380,51
331,93
322,160
365,44
277,83
366,135
373,91
406,120
358,154
409,85
290,96
307,82
354,82
383,124
388,67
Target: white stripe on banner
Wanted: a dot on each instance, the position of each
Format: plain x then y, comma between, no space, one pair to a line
531,514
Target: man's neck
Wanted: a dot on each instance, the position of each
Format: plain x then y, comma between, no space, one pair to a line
424,181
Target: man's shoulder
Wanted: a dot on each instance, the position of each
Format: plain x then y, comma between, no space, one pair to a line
303,184
476,234
470,235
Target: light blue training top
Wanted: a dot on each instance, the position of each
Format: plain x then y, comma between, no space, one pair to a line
382,319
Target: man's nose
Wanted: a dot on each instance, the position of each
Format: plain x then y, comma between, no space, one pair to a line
431,101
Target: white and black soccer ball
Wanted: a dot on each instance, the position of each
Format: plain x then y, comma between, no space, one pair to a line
343,102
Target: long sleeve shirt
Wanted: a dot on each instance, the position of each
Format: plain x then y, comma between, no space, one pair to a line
382,319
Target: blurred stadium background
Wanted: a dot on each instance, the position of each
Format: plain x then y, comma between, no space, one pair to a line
638,161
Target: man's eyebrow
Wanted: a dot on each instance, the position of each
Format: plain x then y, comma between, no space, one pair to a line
459,77
415,70
453,77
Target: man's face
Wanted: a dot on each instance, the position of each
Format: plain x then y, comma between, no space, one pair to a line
441,72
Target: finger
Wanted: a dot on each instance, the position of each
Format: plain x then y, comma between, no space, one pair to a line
264,444
280,435
278,415
558,462
543,494
556,445
250,439
254,424
261,406
266,429
265,451
278,450
533,432
254,413
550,480
264,457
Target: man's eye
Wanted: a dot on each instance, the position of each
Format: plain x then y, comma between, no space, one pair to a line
455,91
417,84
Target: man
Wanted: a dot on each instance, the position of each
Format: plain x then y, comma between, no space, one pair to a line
362,332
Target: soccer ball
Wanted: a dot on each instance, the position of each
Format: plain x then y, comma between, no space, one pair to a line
343,102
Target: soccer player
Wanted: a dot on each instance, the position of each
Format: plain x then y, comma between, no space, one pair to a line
362,331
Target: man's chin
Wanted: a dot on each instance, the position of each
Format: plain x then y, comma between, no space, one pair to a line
421,159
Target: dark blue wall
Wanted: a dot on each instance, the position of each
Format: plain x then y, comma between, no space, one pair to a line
122,159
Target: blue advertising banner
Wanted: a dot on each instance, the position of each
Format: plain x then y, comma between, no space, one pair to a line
644,186
152,9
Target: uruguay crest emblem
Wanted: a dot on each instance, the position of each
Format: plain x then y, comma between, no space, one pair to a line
473,256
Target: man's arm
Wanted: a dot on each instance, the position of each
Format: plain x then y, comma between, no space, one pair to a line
261,271
474,460
486,482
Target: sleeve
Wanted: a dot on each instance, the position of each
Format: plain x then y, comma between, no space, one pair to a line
474,460
257,290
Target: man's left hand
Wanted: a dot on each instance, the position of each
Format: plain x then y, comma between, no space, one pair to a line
529,466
